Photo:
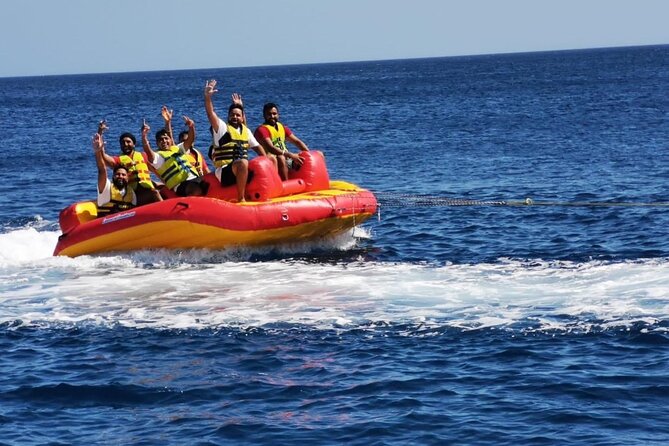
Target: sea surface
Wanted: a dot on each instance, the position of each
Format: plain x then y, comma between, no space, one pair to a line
512,290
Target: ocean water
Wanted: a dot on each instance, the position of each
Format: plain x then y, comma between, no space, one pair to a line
459,315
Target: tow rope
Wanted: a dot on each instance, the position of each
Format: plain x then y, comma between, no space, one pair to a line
390,199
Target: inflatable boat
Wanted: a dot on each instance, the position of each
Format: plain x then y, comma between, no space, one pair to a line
305,207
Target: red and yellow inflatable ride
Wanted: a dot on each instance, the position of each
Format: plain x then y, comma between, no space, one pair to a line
305,207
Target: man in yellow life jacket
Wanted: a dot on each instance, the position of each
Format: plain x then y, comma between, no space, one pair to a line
114,196
172,166
186,141
272,135
139,177
231,143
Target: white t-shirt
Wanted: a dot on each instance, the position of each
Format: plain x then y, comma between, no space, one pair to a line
104,197
223,129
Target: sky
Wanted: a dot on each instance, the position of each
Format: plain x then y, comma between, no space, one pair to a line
45,37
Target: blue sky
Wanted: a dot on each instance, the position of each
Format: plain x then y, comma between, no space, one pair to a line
39,37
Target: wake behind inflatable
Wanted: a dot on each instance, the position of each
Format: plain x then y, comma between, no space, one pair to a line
307,206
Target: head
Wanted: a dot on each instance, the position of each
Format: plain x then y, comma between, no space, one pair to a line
196,189
163,140
127,142
120,177
270,112
236,115
183,136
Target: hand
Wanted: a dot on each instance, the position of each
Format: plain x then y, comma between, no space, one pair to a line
102,127
98,144
237,99
145,128
189,122
296,159
167,113
210,88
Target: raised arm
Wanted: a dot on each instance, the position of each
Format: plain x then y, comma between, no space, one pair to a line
108,159
102,127
150,154
167,117
98,148
209,90
188,143
237,99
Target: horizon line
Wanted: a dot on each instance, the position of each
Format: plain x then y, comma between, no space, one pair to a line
341,62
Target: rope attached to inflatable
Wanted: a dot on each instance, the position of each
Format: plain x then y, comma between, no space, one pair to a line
390,199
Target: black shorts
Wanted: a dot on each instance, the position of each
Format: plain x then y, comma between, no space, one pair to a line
188,187
145,194
228,178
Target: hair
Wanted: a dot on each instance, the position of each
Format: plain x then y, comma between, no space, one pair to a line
182,135
127,135
234,106
117,167
267,107
160,133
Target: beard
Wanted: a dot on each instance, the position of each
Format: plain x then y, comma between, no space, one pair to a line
120,183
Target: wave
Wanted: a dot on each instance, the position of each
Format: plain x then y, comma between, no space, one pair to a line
25,245
203,289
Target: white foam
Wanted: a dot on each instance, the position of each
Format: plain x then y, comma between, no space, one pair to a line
198,289
26,245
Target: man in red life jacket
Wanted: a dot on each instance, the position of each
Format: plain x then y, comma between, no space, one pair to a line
272,135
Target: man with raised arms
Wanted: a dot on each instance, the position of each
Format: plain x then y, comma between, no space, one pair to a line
231,142
135,163
172,166
116,195
186,141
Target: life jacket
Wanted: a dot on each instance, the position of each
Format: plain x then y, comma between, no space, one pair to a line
232,145
118,201
138,171
176,169
277,135
197,160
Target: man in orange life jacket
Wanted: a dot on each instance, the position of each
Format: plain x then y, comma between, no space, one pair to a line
272,135
231,142
114,196
135,163
194,156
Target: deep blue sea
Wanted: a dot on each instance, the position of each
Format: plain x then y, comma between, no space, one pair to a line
458,315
